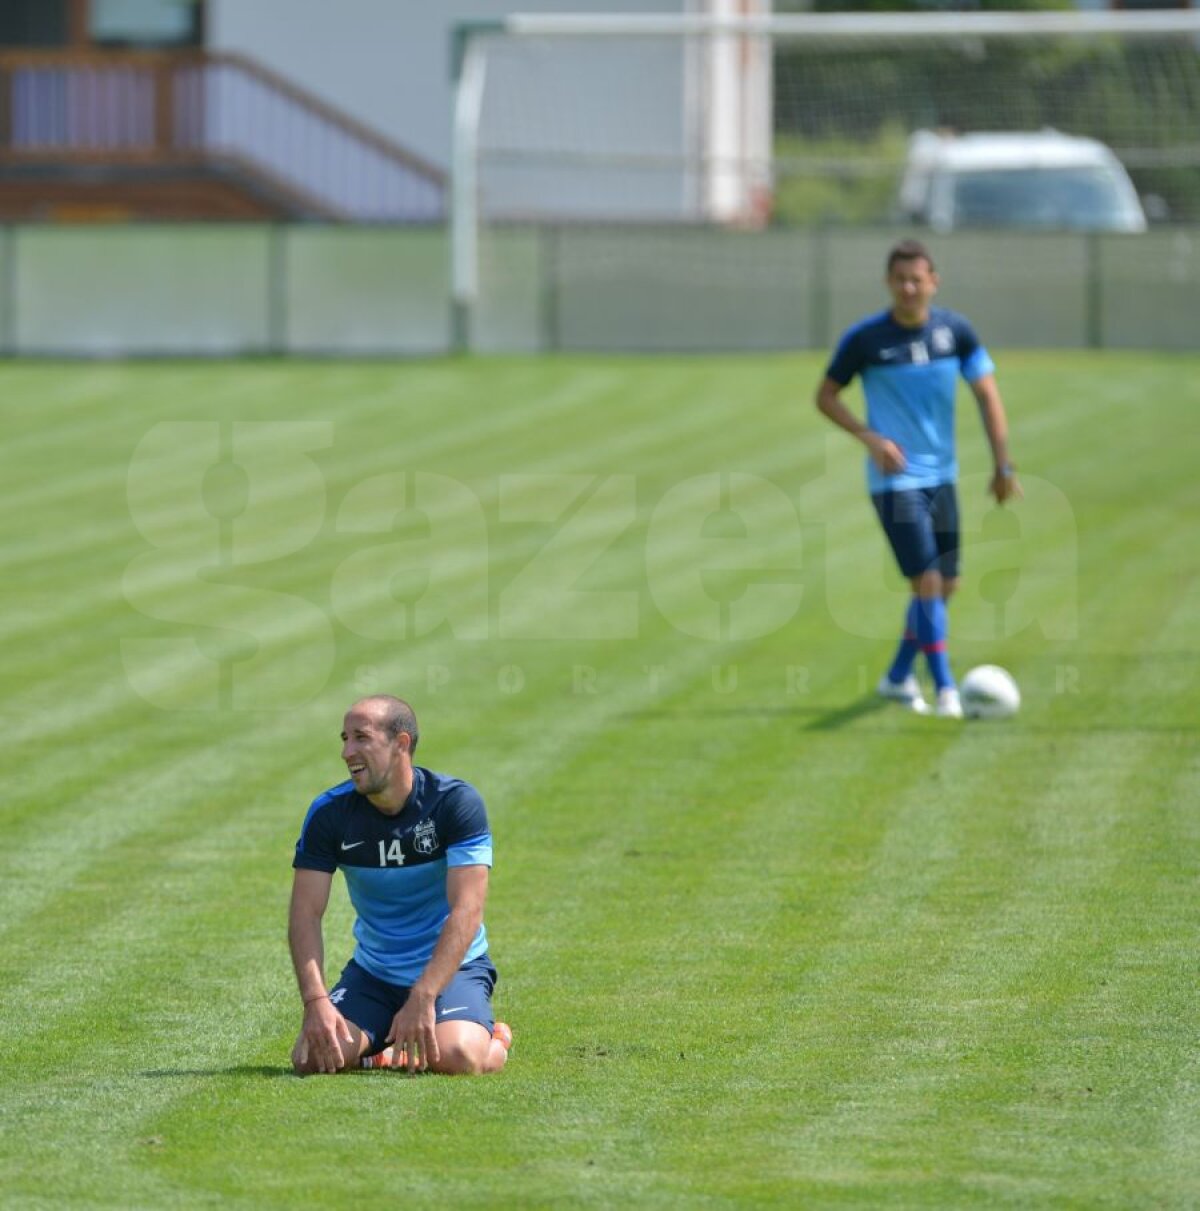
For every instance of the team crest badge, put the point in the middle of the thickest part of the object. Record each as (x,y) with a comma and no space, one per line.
(425,838)
(942,340)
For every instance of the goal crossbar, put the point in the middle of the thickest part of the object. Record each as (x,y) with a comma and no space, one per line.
(850,25)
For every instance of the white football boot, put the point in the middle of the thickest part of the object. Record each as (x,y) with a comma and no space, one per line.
(948,705)
(906,692)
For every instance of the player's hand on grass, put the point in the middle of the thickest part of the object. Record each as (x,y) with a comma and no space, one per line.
(321,1037)
(413,1032)
(886,455)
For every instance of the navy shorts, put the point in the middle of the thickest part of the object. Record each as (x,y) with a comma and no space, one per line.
(921,525)
(371,1003)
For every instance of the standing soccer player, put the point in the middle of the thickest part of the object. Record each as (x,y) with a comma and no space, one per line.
(415,849)
(909,359)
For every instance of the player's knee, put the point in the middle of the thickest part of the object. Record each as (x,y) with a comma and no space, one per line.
(461,1058)
(928,584)
(463,1049)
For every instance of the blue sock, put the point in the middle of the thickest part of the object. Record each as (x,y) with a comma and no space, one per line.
(931,635)
(906,653)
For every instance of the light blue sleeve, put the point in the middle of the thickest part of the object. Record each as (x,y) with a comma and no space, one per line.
(475,851)
(977,365)
(468,835)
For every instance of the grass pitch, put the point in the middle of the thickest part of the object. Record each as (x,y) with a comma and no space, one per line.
(762,941)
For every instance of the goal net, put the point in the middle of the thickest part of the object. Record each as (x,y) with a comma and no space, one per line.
(692,172)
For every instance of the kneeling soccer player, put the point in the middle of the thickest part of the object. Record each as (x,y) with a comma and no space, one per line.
(415,849)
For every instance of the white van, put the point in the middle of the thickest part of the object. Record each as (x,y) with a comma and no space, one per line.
(1037,181)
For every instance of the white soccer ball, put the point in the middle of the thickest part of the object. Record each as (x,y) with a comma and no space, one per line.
(989,692)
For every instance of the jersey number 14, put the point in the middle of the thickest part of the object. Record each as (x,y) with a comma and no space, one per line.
(390,853)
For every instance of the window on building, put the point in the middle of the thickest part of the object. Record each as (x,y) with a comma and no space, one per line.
(145,22)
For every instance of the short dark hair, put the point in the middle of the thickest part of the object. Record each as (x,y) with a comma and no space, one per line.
(398,717)
(909,250)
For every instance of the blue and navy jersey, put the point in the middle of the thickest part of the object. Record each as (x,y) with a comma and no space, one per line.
(910,376)
(395,866)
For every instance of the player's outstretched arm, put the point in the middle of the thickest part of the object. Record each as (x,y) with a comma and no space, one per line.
(1005,485)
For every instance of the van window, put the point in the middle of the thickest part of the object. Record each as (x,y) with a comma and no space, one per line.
(1083,197)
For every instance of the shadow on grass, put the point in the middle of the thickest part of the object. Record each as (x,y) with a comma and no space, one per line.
(828,721)
(262,1070)
(820,719)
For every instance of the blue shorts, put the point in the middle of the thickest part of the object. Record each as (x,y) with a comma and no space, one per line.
(921,525)
(371,1003)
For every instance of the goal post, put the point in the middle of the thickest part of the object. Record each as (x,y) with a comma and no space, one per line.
(574,134)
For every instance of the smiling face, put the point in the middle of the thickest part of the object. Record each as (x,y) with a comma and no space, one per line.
(912,284)
(380,764)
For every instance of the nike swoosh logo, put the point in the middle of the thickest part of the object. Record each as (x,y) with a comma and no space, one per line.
(456,1009)
(352,845)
